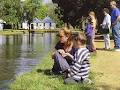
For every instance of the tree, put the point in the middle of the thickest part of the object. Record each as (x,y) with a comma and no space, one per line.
(31,7)
(54,13)
(50,10)
(15,11)
(73,10)
(10,11)
(42,12)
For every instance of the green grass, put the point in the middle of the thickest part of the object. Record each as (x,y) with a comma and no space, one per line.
(41,79)
(14,32)
(105,68)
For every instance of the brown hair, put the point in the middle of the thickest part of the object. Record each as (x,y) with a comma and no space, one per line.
(92,13)
(67,32)
(81,38)
(106,10)
(94,20)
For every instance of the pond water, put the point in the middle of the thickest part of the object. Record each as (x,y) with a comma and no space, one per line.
(21,53)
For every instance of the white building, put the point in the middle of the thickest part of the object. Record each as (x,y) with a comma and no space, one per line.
(25,25)
(37,24)
(2,24)
(49,23)
(46,23)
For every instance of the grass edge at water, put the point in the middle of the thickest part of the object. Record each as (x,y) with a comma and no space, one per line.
(40,79)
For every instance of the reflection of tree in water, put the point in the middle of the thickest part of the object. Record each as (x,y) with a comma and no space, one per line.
(19,54)
(31,41)
(47,41)
(13,46)
(10,53)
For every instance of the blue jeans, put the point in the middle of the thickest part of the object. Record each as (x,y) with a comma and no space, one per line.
(60,63)
(116,35)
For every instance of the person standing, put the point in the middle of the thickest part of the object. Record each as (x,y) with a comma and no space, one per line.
(106,28)
(90,31)
(115,18)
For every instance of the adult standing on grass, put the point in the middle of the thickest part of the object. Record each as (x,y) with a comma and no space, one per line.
(106,28)
(115,18)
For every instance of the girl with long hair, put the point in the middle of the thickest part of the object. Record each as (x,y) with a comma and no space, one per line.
(64,48)
(90,31)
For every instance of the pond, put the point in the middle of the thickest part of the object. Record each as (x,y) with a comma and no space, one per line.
(21,53)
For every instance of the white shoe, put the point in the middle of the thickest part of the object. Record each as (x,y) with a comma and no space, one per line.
(117,50)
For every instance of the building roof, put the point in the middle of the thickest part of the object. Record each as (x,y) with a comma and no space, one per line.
(48,20)
(36,20)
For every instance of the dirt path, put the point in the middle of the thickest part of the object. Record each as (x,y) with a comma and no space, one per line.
(106,66)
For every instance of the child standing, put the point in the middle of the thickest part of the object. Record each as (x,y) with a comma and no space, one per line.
(90,32)
(106,27)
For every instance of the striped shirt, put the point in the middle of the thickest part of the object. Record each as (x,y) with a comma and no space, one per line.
(81,66)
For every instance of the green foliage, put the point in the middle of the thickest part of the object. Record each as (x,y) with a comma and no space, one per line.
(71,11)
(17,11)
(52,9)
(42,12)
(10,10)
(31,7)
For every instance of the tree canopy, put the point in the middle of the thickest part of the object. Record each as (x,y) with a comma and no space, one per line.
(73,10)
(17,11)
(10,10)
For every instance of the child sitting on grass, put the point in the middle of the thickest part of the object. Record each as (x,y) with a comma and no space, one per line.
(78,72)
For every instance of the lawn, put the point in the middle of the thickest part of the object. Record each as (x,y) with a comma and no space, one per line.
(41,79)
(104,67)
(14,32)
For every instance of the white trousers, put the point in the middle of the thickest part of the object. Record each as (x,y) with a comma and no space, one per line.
(107,41)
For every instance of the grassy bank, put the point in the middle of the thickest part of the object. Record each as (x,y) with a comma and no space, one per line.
(104,67)
(14,32)
(41,79)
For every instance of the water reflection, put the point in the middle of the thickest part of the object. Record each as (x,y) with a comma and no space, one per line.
(19,54)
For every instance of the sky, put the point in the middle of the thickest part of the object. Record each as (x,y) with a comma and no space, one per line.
(47,1)
(44,1)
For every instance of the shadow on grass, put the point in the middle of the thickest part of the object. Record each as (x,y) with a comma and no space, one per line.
(46,71)
(60,77)
(103,49)
(49,72)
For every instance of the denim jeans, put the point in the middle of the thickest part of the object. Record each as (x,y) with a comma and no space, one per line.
(116,35)
(60,63)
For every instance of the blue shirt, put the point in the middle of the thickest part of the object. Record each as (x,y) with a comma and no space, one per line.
(115,13)
(89,30)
